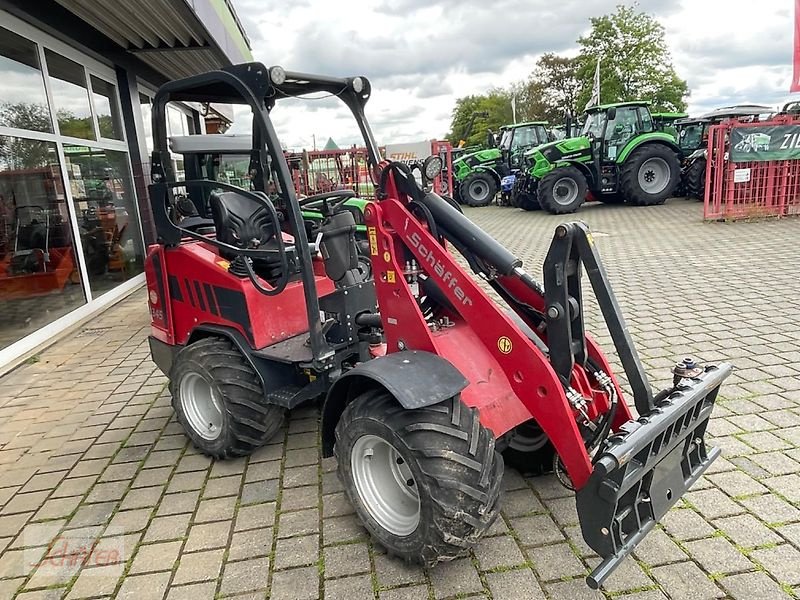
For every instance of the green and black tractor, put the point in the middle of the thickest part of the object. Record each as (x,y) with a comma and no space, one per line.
(693,142)
(477,176)
(621,156)
(667,122)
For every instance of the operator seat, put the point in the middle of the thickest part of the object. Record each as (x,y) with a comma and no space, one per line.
(244,223)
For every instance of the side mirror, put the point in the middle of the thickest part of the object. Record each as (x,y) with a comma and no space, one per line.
(491,142)
(611,113)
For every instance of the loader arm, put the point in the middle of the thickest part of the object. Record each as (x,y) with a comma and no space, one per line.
(627,473)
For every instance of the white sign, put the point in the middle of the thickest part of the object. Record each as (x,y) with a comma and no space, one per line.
(741,176)
(405,152)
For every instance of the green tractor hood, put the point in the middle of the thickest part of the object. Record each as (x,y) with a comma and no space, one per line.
(467,163)
(543,159)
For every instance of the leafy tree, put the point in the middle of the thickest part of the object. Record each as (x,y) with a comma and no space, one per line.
(496,102)
(22,153)
(634,61)
(552,89)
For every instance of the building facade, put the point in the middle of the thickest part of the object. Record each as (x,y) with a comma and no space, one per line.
(77,81)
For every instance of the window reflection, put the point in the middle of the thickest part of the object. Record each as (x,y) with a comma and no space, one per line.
(23,102)
(39,280)
(102,192)
(70,95)
(146,105)
(105,105)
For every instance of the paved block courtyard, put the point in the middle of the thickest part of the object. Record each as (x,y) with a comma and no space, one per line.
(102,496)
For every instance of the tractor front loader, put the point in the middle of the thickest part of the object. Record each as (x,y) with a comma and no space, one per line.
(430,386)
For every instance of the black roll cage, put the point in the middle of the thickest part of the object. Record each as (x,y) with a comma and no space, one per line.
(258,87)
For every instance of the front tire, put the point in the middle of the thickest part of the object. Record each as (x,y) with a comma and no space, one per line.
(529,451)
(478,189)
(696,179)
(562,191)
(219,401)
(650,175)
(425,482)
(527,201)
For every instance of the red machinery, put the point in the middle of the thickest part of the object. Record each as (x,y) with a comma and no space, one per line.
(429,383)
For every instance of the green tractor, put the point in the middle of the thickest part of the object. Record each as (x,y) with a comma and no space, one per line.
(477,176)
(620,157)
(667,122)
(693,142)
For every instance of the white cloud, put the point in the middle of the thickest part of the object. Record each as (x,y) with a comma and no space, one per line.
(423,54)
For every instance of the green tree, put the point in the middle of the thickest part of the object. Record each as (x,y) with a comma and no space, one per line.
(551,90)
(635,63)
(23,153)
(496,102)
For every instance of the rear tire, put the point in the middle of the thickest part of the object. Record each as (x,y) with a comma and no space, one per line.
(650,175)
(696,179)
(478,189)
(527,201)
(425,482)
(562,190)
(529,451)
(219,401)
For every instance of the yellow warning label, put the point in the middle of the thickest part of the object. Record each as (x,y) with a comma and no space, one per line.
(504,345)
(387,257)
(390,276)
(589,238)
(373,241)
(224,264)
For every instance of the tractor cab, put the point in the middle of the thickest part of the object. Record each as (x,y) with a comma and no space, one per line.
(667,121)
(692,134)
(515,139)
(613,126)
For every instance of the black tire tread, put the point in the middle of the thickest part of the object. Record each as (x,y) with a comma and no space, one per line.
(252,419)
(489,182)
(462,471)
(544,190)
(696,180)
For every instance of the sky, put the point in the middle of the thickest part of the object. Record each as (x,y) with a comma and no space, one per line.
(420,55)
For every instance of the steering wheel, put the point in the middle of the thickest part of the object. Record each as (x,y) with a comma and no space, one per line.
(336,197)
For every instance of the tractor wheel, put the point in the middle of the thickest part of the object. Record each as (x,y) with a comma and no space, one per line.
(478,189)
(425,482)
(529,451)
(650,175)
(219,401)
(696,179)
(562,191)
(527,201)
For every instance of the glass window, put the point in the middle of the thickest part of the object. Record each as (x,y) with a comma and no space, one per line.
(70,95)
(176,122)
(23,102)
(39,278)
(647,120)
(102,192)
(146,106)
(105,105)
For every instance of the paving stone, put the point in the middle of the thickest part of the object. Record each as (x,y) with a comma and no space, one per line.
(218,509)
(736,483)
(156,557)
(771,509)
(255,516)
(685,524)
(296,552)
(207,536)
(129,521)
(712,503)
(556,562)
(194,591)
(520,502)
(260,491)
(142,498)
(343,529)
(350,588)
(514,585)
(264,470)
(92,514)
(781,562)
(302,497)
(753,586)
(417,592)
(298,522)
(747,531)
(575,589)
(144,587)
(393,572)
(686,581)
(250,544)
(718,555)
(336,505)
(104,492)
(455,577)
(97,581)
(295,584)
(199,566)
(536,530)
(245,576)
(349,559)
(300,476)
(167,528)
(183,502)
(498,552)
(627,577)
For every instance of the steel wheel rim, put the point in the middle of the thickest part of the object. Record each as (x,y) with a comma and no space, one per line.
(654,175)
(565,191)
(478,191)
(201,406)
(382,478)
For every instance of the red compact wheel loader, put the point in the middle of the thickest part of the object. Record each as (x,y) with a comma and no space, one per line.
(429,384)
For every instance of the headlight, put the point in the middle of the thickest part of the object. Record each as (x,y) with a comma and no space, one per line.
(432,166)
(358,85)
(277,75)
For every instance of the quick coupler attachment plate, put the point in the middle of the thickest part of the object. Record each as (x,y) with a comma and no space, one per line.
(646,468)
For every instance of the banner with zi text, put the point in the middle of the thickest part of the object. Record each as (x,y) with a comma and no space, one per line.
(781,142)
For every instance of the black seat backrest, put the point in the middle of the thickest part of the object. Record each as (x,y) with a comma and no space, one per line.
(241,221)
